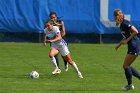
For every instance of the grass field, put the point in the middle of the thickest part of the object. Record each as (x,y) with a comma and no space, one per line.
(100,64)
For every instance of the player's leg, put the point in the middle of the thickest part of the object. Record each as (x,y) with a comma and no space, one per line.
(66,55)
(71,62)
(65,62)
(52,53)
(66,67)
(129,59)
(57,60)
(135,72)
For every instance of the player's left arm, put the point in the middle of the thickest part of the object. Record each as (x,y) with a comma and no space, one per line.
(44,39)
(119,45)
(63,32)
(134,32)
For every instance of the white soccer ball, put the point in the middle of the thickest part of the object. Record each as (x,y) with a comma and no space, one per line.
(34,75)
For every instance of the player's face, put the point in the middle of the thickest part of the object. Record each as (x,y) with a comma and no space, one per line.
(49,26)
(116,18)
(53,17)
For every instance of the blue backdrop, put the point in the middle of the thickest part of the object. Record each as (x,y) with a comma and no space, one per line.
(79,16)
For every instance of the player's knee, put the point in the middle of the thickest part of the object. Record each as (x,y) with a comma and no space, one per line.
(70,61)
(125,66)
(51,55)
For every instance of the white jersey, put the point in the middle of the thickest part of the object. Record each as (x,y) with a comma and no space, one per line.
(60,45)
(51,34)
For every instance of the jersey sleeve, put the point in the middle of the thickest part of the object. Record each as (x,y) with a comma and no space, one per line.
(128,25)
(56,29)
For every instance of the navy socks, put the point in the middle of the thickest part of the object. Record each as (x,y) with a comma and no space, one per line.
(57,60)
(128,74)
(135,72)
(65,62)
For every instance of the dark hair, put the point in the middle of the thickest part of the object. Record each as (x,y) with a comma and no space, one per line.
(53,13)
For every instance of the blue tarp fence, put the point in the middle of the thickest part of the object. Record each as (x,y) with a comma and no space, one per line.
(79,16)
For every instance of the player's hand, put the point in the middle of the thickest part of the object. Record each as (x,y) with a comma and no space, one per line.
(117,47)
(44,44)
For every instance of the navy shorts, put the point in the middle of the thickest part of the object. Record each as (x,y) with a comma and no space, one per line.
(134,47)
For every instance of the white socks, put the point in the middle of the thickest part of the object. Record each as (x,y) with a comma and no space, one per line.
(53,60)
(75,67)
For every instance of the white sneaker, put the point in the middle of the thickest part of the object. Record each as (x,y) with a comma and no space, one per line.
(59,71)
(66,67)
(79,74)
(56,71)
(128,87)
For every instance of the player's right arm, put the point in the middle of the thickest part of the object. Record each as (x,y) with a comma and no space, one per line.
(118,46)
(44,38)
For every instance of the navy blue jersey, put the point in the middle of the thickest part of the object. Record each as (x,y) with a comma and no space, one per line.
(126,29)
(134,43)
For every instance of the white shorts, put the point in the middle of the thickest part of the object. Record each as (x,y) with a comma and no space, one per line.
(62,48)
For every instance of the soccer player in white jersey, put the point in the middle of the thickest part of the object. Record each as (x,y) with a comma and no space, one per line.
(52,35)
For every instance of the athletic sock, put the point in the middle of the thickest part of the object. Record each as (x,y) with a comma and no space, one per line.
(57,60)
(75,67)
(53,61)
(135,72)
(128,74)
(65,62)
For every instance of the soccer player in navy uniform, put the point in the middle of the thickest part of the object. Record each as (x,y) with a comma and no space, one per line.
(129,32)
(60,24)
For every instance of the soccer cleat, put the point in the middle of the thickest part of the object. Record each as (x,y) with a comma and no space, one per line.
(128,87)
(79,74)
(56,71)
(66,68)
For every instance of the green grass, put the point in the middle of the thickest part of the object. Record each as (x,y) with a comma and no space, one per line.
(101,66)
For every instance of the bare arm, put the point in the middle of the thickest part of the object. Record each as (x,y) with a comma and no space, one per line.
(63,32)
(134,32)
(61,24)
(119,45)
(124,40)
(44,41)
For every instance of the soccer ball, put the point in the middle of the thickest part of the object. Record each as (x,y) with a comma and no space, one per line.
(34,75)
